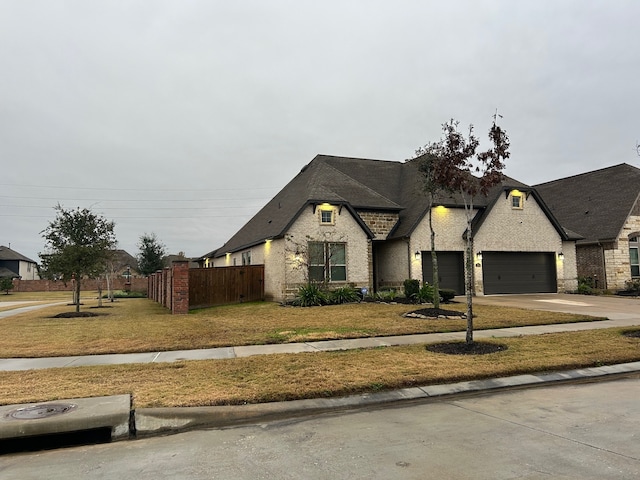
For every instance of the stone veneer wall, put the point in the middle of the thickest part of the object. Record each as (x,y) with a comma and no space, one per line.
(380,223)
(617,264)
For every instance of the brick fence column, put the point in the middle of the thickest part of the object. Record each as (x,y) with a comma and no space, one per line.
(166,287)
(180,293)
(159,286)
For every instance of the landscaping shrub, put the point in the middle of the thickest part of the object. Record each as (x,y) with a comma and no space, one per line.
(632,287)
(310,296)
(585,286)
(343,295)
(411,288)
(386,295)
(446,295)
(425,294)
(124,294)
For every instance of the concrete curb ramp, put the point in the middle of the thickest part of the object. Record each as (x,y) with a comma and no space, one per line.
(29,422)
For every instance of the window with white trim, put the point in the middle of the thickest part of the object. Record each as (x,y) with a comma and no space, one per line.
(327,216)
(516,201)
(246,258)
(327,262)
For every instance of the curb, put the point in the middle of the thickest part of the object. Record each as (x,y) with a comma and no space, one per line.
(89,418)
(162,421)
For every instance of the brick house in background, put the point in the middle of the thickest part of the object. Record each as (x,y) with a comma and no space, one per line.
(364,223)
(16,265)
(603,206)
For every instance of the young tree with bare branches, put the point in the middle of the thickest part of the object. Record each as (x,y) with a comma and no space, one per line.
(455,165)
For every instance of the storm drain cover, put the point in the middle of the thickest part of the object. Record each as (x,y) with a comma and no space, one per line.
(41,411)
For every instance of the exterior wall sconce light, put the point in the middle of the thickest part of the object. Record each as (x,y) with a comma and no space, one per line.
(479,255)
(561,256)
(417,254)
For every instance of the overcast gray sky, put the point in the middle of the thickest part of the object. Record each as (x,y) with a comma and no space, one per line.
(184,117)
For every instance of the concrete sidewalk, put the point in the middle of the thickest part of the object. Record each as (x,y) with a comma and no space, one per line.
(28,308)
(13,364)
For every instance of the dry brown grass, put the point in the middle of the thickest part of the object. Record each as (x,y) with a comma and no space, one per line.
(140,325)
(312,375)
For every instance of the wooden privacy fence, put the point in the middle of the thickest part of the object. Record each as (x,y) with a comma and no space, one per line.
(225,285)
(181,289)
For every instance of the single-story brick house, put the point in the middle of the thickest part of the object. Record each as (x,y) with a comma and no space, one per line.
(16,265)
(364,223)
(603,206)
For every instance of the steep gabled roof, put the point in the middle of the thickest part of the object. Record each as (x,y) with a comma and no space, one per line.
(357,184)
(7,254)
(594,204)
(324,179)
(121,259)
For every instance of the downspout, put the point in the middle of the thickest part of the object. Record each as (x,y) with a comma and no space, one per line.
(409,257)
(604,268)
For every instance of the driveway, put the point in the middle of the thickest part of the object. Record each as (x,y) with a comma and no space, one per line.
(614,308)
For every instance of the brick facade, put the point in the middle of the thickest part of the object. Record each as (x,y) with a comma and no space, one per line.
(590,263)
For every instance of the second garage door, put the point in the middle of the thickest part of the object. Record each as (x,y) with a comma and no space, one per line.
(519,272)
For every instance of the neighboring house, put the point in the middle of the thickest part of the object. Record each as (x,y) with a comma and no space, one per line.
(603,206)
(122,263)
(21,266)
(365,223)
(179,257)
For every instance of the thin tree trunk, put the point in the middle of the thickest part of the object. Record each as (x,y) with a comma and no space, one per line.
(468,271)
(99,294)
(434,261)
(469,286)
(77,295)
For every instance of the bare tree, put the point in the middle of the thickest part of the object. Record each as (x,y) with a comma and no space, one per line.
(457,167)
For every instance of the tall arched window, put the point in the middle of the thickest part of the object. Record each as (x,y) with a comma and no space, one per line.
(633,256)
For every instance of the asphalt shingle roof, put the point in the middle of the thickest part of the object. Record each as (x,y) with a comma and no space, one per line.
(7,254)
(357,184)
(6,273)
(594,204)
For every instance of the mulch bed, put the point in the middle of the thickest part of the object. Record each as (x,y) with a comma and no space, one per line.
(75,315)
(434,313)
(632,333)
(463,348)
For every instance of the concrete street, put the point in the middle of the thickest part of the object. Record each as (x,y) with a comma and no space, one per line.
(582,431)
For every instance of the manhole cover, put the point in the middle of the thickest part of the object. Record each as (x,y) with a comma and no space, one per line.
(41,411)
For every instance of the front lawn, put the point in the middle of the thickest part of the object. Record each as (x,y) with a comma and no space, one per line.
(140,325)
(266,378)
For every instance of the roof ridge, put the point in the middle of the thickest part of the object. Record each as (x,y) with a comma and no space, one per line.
(324,155)
(591,172)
